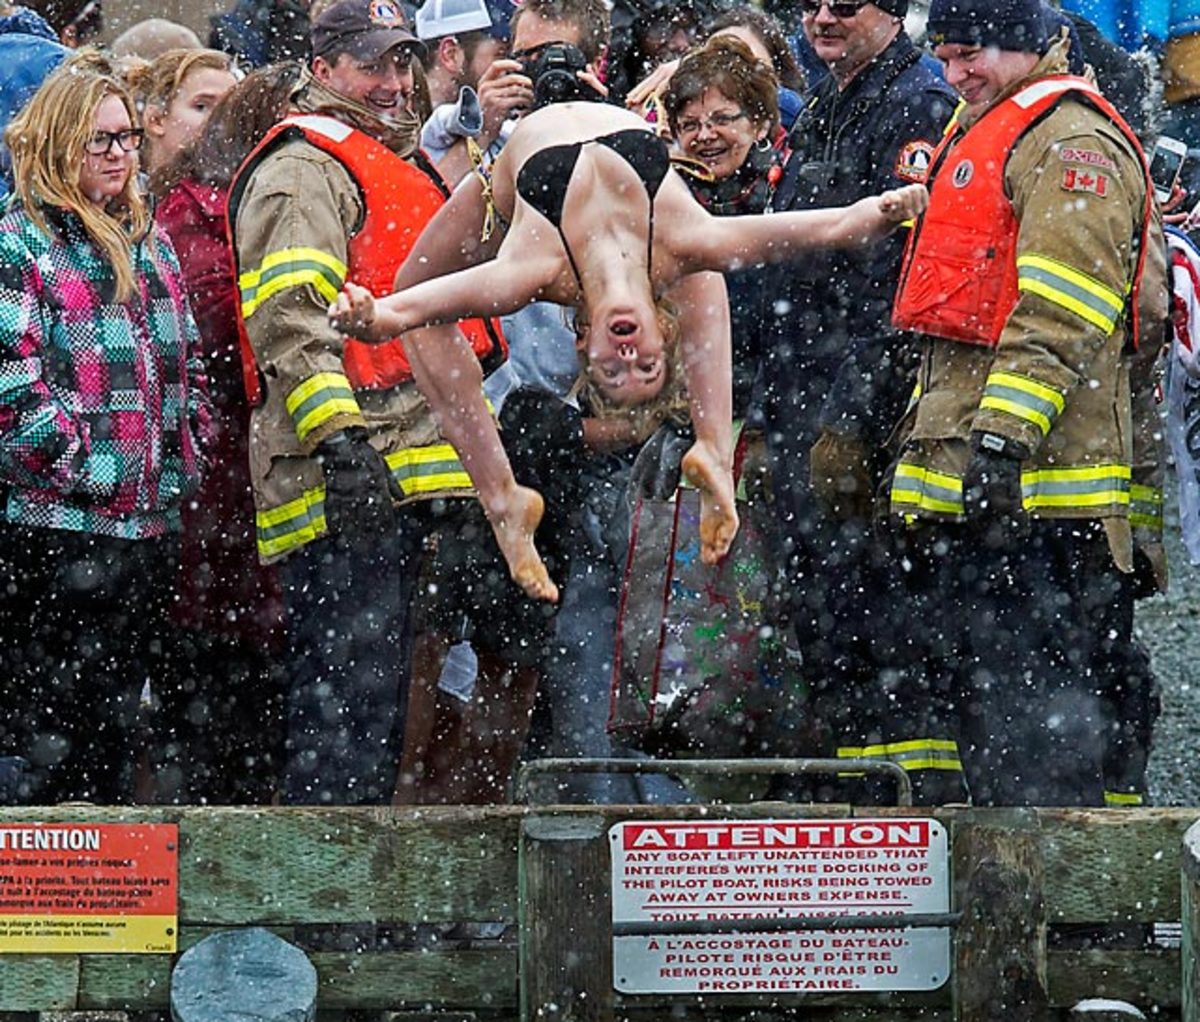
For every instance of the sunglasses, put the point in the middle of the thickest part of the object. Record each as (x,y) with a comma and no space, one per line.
(128,140)
(839,8)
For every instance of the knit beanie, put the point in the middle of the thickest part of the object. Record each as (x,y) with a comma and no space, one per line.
(899,8)
(1006,24)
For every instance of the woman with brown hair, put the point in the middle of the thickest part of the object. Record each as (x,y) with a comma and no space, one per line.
(176,93)
(103,416)
(722,110)
(228,604)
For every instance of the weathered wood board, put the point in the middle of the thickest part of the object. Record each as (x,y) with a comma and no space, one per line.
(299,867)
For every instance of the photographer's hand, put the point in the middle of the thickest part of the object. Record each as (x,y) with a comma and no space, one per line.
(504,89)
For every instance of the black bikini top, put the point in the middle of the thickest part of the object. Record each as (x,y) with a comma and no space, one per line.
(544,178)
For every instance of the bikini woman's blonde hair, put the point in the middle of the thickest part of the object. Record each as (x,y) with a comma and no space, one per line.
(47,141)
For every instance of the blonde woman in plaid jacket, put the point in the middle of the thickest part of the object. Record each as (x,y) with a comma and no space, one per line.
(104,413)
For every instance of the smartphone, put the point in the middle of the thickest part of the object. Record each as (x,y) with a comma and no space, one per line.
(1166,162)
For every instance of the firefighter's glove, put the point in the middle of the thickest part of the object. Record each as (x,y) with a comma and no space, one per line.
(992,490)
(360,493)
(840,475)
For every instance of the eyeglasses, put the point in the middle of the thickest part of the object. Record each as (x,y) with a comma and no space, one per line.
(843,9)
(721,119)
(128,140)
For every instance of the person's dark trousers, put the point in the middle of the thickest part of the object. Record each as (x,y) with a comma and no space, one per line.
(571,714)
(917,659)
(348,601)
(833,577)
(1129,698)
(226,746)
(1016,630)
(85,624)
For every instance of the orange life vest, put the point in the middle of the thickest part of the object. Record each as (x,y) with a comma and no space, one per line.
(958,279)
(400,196)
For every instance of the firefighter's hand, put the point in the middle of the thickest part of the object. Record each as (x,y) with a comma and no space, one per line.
(840,475)
(992,490)
(360,492)
(353,313)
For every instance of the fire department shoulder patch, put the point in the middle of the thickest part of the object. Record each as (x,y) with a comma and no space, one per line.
(912,164)
(1079,180)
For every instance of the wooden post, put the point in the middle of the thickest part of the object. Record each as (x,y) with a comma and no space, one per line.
(566,919)
(1000,945)
(1191,923)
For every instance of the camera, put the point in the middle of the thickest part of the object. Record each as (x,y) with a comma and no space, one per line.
(553,72)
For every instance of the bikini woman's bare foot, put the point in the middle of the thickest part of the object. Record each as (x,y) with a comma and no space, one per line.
(718,510)
(514,521)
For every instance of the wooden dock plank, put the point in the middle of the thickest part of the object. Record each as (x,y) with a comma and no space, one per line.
(279,866)
(479,978)
(44,982)
(1144,978)
(1113,865)
(294,866)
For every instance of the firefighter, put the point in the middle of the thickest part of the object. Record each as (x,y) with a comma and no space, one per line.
(1024,276)
(341,436)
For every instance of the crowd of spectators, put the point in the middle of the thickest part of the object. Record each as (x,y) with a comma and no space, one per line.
(270,535)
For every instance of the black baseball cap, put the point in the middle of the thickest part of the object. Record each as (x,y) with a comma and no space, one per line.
(365,29)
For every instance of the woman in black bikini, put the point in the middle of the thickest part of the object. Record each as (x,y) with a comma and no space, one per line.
(598,220)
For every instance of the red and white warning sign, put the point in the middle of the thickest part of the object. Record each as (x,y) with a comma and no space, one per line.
(672,872)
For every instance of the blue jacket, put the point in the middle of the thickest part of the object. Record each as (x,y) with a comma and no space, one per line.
(29,51)
(1135,23)
(261,32)
(1184,18)
(828,341)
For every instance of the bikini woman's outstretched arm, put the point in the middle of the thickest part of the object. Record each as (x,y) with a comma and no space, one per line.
(495,288)
(429,286)
(734,242)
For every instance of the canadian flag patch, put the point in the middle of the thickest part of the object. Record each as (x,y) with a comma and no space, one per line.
(1079,180)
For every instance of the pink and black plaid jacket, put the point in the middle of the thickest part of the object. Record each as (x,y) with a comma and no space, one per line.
(104,408)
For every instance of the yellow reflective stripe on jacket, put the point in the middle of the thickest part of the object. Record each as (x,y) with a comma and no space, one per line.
(1067,287)
(291,267)
(428,469)
(1146,507)
(292,525)
(1023,398)
(417,470)
(914,754)
(1089,486)
(318,399)
(916,488)
(1123,799)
